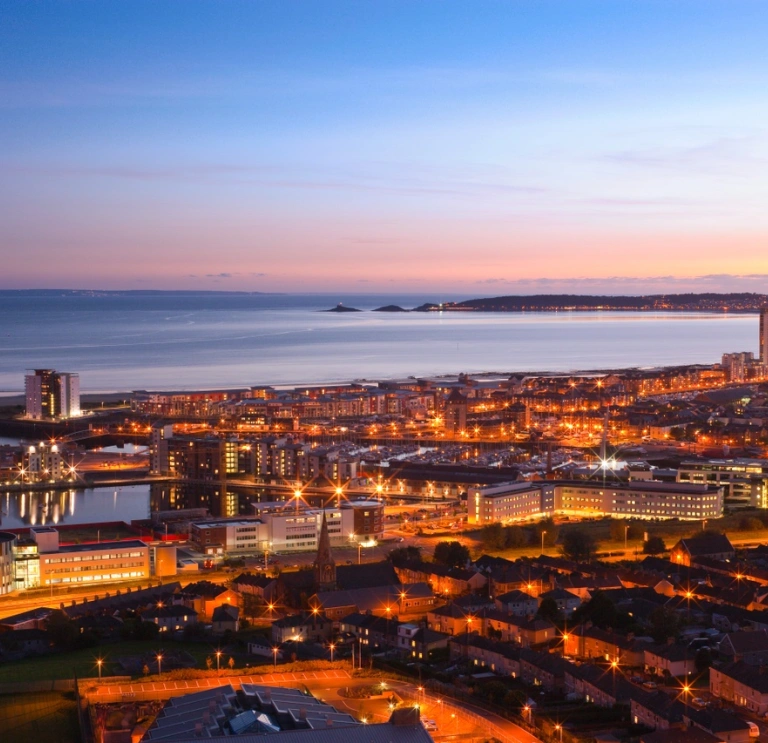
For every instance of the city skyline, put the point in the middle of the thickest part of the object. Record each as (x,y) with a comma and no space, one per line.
(483,149)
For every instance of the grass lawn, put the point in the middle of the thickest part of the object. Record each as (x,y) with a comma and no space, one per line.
(83,662)
(670,531)
(49,717)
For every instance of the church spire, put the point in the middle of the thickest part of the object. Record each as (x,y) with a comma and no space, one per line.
(325,567)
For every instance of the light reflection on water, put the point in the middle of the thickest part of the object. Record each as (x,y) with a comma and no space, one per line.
(126,503)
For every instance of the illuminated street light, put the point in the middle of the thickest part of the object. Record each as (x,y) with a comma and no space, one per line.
(218,660)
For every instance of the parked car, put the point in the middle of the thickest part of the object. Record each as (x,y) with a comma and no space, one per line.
(431,725)
(754,731)
(650,685)
(636,679)
(699,702)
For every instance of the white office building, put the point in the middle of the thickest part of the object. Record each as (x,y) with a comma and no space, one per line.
(514,501)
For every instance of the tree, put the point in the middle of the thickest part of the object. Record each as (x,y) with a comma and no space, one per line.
(750,523)
(209,662)
(493,537)
(61,630)
(654,546)
(618,527)
(599,610)
(703,660)
(516,536)
(145,630)
(578,545)
(548,610)
(665,623)
(401,555)
(231,663)
(453,554)
(549,526)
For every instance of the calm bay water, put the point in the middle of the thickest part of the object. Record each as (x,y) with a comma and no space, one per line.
(126,503)
(184,341)
(55,508)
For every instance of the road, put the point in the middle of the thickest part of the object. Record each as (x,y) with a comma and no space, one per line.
(454,720)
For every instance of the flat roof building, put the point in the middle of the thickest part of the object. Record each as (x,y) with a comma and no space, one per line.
(636,499)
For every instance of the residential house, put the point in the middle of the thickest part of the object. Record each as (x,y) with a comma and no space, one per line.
(32,619)
(391,600)
(451,619)
(204,597)
(670,659)
(517,602)
(587,641)
(707,544)
(263,587)
(264,648)
(724,724)
(524,631)
(225,618)
(370,630)
(170,618)
(688,735)
(444,581)
(307,626)
(751,647)
(534,631)
(603,687)
(741,683)
(566,601)
(419,642)
(485,654)
(656,710)
(585,586)
(23,643)
(542,669)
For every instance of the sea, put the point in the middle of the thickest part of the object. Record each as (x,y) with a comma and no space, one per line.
(163,341)
(119,342)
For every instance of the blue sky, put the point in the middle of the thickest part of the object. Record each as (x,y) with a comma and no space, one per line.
(601,146)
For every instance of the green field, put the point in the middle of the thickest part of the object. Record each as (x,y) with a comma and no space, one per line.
(83,662)
(47,717)
(670,531)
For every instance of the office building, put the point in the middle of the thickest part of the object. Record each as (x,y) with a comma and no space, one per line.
(636,499)
(279,527)
(6,562)
(744,481)
(88,563)
(51,394)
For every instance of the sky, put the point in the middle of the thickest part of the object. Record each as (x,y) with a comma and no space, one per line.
(480,147)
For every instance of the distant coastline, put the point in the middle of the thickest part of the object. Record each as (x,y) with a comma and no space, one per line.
(687,302)
(705,302)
